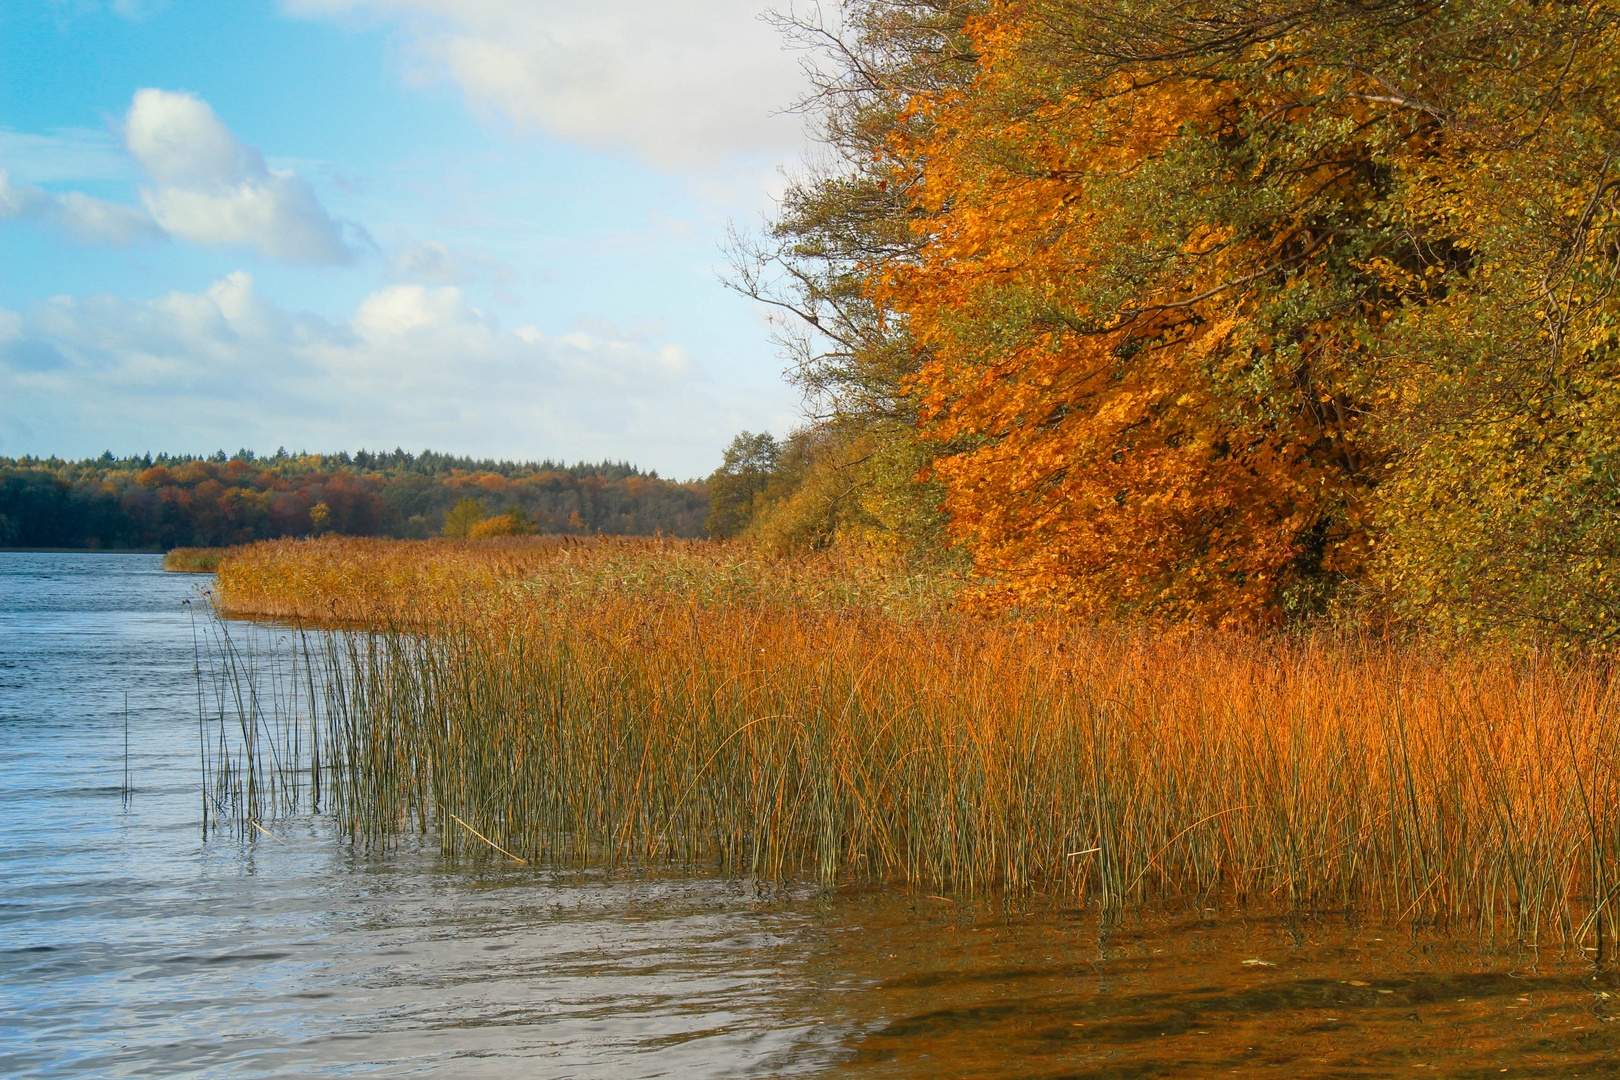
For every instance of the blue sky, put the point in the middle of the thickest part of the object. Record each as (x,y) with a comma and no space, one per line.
(485,226)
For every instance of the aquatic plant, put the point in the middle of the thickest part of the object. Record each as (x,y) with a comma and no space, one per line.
(421,583)
(623,708)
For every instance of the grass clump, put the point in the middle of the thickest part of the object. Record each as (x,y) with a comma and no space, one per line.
(625,702)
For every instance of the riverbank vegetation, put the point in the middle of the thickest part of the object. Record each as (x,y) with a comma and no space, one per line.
(420,584)
(169,502)
(612,702)
(193,560)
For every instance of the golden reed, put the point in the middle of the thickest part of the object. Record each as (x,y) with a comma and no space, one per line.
(193,560)
(657,700)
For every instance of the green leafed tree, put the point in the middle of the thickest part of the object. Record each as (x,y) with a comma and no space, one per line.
(463,516)
(737,487)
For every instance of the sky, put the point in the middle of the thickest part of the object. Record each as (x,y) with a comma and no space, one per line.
(485,227)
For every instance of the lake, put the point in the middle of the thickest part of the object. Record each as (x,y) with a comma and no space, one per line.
(130,945)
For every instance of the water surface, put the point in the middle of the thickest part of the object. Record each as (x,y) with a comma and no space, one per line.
(132,946)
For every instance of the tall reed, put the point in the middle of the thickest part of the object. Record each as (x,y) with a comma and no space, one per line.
(355,581)
(800,733)
(193,560)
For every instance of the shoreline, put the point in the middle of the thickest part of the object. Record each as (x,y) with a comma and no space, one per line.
(80,551)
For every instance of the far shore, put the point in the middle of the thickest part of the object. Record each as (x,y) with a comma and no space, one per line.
(81,551)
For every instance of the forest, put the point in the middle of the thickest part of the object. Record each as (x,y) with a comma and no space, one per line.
(1240,314)
(167,502)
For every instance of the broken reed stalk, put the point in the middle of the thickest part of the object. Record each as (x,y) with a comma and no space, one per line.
(786,736)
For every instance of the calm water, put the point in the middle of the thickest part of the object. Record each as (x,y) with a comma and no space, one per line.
(129,946)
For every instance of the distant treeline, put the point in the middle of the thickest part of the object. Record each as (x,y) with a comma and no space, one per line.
(181,501)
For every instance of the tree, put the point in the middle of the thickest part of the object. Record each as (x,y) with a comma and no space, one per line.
(1499,514)
(735,487)
(515,522)
(1211,303)
(860,456)
(462,517)
(1143,296)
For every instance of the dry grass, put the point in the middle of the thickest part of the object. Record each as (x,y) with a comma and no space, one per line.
(353,580)
(623,706)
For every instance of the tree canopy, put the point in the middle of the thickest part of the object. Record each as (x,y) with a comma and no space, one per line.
(1231,312)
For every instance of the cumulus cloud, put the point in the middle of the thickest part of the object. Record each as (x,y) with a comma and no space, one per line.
(202,184)
(93,221)
(208,187)
(413,364)
(682,85)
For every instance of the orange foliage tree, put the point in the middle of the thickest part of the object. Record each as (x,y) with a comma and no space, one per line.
(1160,248)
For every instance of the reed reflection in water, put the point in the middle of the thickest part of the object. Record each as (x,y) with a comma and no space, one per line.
(947,991)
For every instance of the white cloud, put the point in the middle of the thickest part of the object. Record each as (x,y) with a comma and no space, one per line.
(430,263)
(682,85)
(203,185)
(413,365)
(404,310)
(210,188)
(93,221)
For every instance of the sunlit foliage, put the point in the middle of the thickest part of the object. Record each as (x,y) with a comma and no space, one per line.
(852,472)
(1236,314)
(461,518)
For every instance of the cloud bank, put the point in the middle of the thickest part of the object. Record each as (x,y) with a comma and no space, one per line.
(413,364)
(683,86)
(201,184)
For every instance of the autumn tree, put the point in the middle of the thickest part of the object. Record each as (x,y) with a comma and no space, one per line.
(463,517)
(1503,368)
(515,522)
(168,501)
(1178,267)
(855,466)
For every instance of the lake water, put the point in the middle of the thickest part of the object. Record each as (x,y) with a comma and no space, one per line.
(130,946)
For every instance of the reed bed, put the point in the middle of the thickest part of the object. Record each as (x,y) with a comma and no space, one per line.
(418,583)
(797,734)
(194,560)
(354,580)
